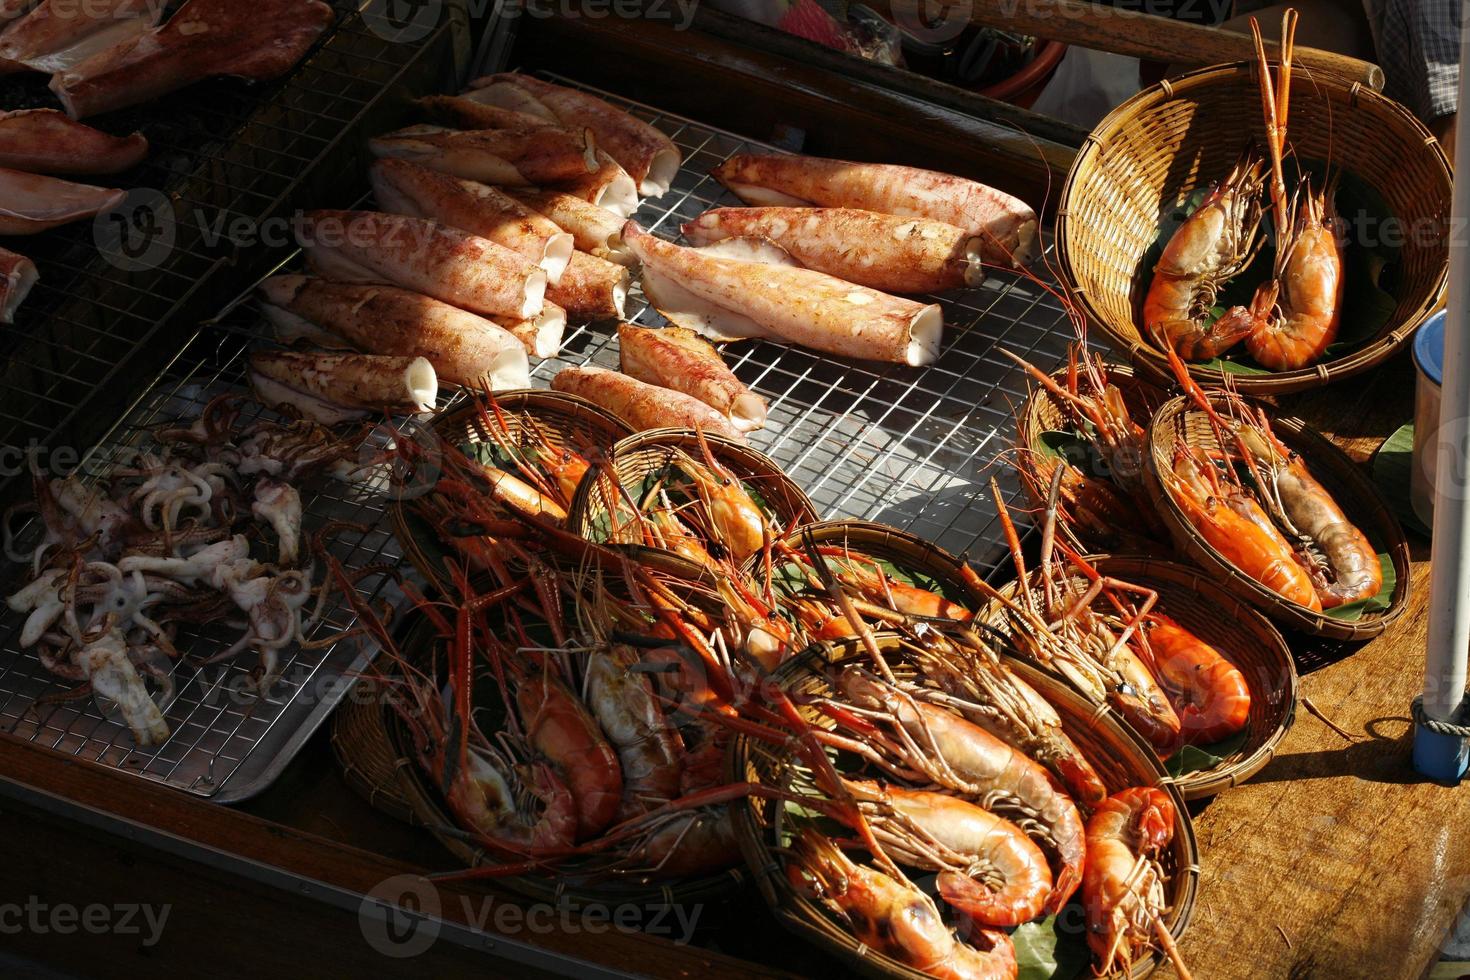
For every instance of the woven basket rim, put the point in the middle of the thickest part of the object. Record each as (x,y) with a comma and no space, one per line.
(1364,506)
(1183,87)
(1203,783)
(801,915)
(424,799)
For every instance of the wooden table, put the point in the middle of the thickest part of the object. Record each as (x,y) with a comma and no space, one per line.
(1335,861)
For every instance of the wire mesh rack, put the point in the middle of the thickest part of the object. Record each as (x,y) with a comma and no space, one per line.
(912,447)
(116,296)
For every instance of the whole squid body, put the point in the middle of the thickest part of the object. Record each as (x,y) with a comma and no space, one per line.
(763,293)
(17,276)
(591,288)
(647,154)
(421,192)
(332,388)
(446,263)
(464,348)
(881,251)
(1005,225)
(505,157)
(45,141)
(31,203)
(594,230)
(607,186)
(644,406)
(676,358)
(205,38)
(55,35)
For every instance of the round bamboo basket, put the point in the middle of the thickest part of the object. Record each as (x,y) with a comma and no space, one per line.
(1036,462)
(370,762)
(1121,759)
(1179,421)
(1242,636)
(567,422)
(564,885)
(902,549)
(650,454)
(1149,154)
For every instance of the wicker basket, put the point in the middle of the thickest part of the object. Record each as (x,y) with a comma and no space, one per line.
(902,549)
(567,421)
(1180,421)
(650,454)
(1154,150)
(427,805)
(1120,758)
(371,763)
(1036,463)
(1242,636)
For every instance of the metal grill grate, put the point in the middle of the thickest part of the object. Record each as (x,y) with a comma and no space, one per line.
(909,447)
(225,156)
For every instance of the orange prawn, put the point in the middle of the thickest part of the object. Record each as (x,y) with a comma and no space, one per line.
(1210,693)
(1211,247)
(1123,888)
(1297,311)
(891,915)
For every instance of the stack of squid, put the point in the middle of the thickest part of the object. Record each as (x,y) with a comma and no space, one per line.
(105,55)
(499,223)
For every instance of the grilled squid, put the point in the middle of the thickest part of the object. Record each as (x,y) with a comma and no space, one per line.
(446,263)
(1005,225)
(881,251)
(17,276)
(644,406)
(464,349)
(48,142)
(511,157)
(409,188)
(682,360)
(331,388)
(763,293)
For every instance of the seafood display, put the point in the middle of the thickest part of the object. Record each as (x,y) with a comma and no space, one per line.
(169,542)
(464,349)
(1005,226)
(1295,313)
(17,276)
(617,652)
(644,405)
(45,141)
(202,39)
(683,361)
(762,293)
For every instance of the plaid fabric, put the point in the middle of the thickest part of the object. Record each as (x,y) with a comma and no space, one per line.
(1418,43)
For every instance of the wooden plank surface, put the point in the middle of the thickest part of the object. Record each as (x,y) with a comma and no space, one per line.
(338,859)
(1336,861)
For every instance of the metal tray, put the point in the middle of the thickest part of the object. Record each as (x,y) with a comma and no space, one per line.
(912,447)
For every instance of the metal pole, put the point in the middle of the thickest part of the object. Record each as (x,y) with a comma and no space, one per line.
(1436,755)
